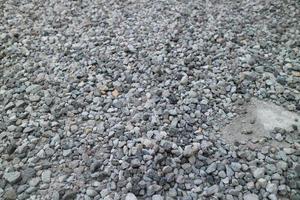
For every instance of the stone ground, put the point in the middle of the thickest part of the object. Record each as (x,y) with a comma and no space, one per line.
(149,99)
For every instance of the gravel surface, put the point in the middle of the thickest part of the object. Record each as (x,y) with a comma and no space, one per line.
(125,99)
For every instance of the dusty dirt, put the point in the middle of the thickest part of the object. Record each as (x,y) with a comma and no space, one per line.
(258,120)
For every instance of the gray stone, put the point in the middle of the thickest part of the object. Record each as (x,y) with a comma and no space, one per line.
(250,197)
(135,163)
(9,106)
(10,194)
(12,177)
(153,189)
(192,149)
(67,152)
(74,128)
(91,192)
(211,168)
(20,103)
(55,195)
(34,181)
(289,151)
(272,197)
(236,166)
(157,197)
(34,98)
(271,188)
(282,165)
(11,148)
(69,195)
(229,171)
(46,176)
(222,174)
(261,183)
(211,190)
(297,169)
(28,130)
(282,189)
(22,188)
(130,196)
(258,172)
(180,179)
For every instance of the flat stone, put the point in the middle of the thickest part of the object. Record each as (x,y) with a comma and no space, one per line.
(12,177)
(9,106)
(211,190)
(289,151)
(20,103)
(28,130)
(22,188)
(34,98)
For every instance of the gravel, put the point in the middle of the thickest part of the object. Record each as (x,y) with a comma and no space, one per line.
(127,99)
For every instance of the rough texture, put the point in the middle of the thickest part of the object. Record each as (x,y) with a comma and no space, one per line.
(127,99)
